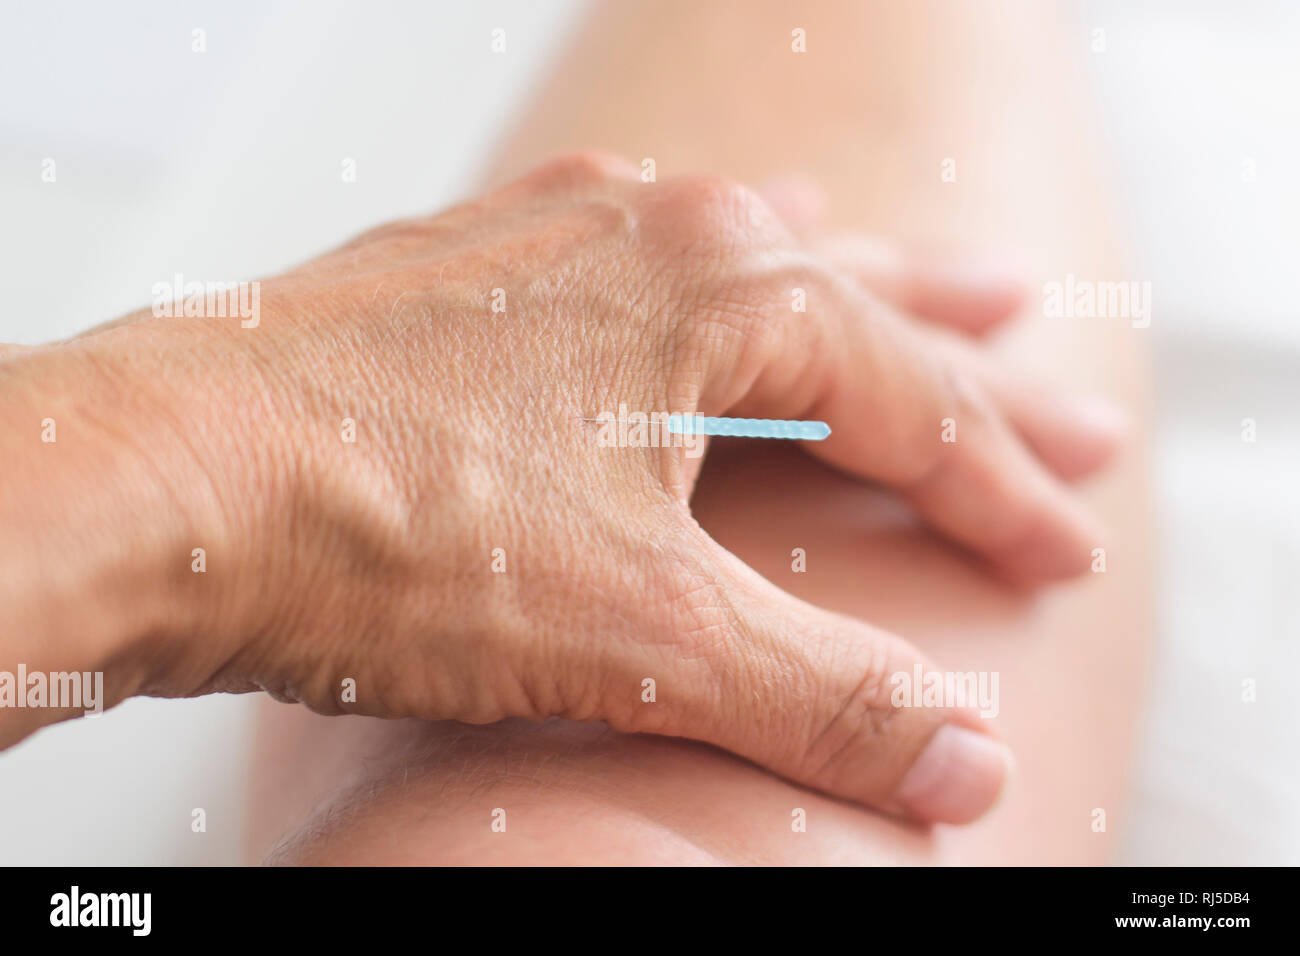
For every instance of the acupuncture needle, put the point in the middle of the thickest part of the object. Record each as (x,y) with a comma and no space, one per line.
(735,427)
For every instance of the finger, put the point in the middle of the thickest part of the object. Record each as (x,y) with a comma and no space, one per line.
(902,414)
(825,701)
(969,293)
(1073,435)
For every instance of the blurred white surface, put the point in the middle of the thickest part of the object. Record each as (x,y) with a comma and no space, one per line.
(1204,126)
(227,165)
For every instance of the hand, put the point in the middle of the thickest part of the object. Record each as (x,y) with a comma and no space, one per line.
(402,514)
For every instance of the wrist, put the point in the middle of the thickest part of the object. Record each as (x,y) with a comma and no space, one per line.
(102,514)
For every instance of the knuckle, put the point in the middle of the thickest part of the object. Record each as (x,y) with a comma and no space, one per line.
(959,408)
(709,213)
(933,416)
(967,400)
(714,194)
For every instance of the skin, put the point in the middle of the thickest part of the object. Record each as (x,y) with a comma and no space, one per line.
(370,561)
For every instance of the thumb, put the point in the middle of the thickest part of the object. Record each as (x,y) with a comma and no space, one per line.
(819,698)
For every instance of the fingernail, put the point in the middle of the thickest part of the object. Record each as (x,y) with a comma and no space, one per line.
(957,778)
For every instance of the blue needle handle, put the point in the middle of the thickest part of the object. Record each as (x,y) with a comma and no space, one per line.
(747,427)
